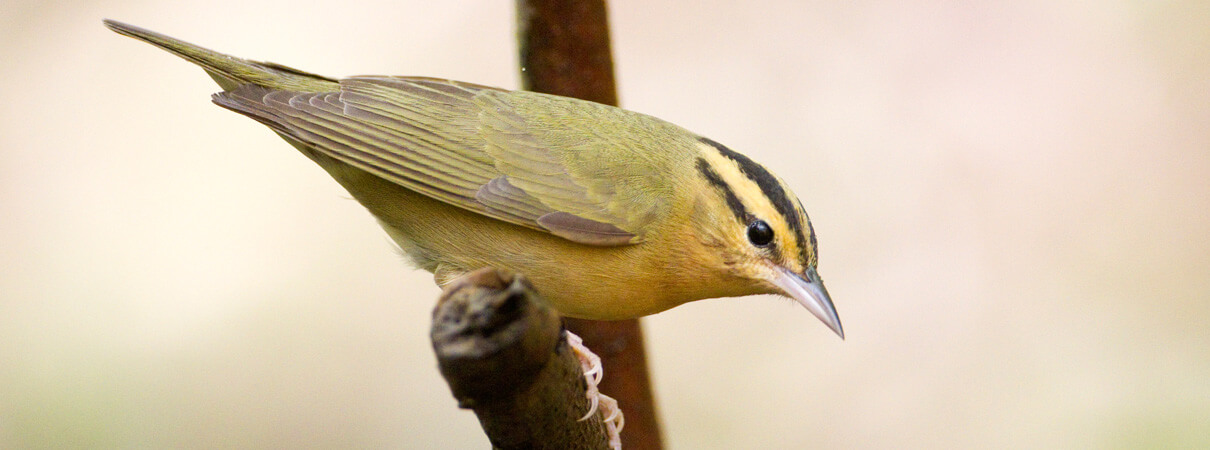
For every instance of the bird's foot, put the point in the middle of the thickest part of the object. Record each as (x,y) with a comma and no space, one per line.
(590,363)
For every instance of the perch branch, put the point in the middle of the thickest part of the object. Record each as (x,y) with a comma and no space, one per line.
(503,353)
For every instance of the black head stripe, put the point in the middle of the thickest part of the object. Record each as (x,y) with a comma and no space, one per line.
(814,245)
(811,236)
(770,187)
(733,202)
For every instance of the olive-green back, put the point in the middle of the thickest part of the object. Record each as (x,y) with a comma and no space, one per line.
(587,172)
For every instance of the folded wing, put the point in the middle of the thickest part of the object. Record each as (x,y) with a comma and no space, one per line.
(537,161)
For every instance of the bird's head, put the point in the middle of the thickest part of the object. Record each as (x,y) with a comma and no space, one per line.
(759,231)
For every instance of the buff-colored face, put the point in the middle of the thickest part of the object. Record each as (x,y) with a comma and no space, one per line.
(767,236)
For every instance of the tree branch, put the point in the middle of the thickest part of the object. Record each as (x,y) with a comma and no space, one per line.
(503,354)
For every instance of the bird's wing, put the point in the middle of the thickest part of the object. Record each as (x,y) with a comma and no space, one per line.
(543,162)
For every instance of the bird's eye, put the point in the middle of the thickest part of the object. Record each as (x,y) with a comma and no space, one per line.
(759,233)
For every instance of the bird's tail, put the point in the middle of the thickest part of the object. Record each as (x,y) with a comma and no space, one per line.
(230,72)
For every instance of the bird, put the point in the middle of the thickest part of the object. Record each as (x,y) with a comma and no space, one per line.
(611,214)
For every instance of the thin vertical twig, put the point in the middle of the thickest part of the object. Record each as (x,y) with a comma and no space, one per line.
(565,50)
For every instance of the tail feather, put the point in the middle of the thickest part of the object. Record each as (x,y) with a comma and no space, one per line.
(230,72)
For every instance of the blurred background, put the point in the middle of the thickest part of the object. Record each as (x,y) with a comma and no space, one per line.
(1011,200)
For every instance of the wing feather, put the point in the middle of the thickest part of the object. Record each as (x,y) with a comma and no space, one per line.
(523,158)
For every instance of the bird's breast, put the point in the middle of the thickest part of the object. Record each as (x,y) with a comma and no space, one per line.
(591,282)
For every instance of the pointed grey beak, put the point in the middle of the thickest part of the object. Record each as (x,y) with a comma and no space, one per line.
(808,290)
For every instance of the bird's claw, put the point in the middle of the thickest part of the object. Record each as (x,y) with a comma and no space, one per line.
(590,363)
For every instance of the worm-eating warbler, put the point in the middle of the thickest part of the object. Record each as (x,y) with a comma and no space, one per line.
(611,214)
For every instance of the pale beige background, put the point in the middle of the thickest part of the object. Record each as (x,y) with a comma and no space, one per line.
(1011,198)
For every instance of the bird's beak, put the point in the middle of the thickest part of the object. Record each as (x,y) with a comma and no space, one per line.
(808,290)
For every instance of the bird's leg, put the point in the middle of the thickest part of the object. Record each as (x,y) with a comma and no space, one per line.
(590,363)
